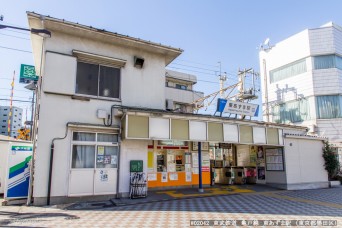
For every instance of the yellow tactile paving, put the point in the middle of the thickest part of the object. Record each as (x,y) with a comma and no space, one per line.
(208,192)
(296,199)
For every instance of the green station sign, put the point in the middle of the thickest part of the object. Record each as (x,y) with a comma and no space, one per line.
(27,74)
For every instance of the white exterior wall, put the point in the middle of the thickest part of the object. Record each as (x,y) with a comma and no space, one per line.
(327,81)
(182,96)
(330,128)
(131,150)
(304,163)
(139,87)
(321,41)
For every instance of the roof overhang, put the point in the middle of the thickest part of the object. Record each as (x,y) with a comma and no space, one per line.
(55,25)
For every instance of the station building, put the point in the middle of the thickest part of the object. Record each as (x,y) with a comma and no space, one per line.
(105,101)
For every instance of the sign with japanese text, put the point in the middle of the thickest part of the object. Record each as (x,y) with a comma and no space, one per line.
(241,108)
(27,74)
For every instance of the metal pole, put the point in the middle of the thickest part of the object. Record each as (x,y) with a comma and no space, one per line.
(266,91)
(200,187)
(32,113)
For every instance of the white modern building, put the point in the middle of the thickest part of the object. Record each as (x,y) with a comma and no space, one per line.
(15,120)
(303,83)
(105,109)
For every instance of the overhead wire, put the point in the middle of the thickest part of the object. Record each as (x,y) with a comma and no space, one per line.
(14,49)
(14,36)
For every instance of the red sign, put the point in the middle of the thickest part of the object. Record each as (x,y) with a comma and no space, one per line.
(205,169)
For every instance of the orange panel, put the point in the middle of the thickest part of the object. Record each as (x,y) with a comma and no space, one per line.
(181,180)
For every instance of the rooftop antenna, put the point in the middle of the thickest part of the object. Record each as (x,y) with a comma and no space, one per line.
(266,45)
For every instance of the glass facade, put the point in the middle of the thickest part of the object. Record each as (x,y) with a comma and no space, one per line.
(327,61)
(328,107)
(292,111)
(287,71)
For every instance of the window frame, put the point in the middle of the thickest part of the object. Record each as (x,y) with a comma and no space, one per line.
(95,143)
(98,81)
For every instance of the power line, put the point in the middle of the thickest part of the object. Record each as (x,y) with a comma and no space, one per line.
(12,30)
(204,64)
(14,36)
(16,49)
(15,100)
(27,91)
(195,67)
(16,96)
(207,81)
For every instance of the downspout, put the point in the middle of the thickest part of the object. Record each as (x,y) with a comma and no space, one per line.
(51,162)
(119,153)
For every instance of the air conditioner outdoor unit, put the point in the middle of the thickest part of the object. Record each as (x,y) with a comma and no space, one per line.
(169,104)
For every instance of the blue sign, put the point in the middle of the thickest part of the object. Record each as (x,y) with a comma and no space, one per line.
(221,104)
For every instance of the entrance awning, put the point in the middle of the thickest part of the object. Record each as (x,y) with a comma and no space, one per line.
(151,127)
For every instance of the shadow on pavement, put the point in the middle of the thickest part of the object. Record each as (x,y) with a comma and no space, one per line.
(14,217)
(271,203)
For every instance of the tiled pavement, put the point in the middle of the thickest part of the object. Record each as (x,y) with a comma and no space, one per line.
(322,204)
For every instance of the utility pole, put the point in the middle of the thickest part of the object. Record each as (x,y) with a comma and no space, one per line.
(266,91)
(243,93)
(9,126)
(223,78)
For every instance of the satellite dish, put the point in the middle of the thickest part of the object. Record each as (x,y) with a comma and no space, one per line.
(267,42)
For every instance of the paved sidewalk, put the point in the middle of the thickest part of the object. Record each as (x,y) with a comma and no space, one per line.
(176,194)
(267,207)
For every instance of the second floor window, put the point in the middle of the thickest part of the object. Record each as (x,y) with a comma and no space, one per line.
(97,80)
(178,86)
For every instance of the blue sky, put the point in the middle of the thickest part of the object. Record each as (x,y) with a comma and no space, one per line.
(209,32)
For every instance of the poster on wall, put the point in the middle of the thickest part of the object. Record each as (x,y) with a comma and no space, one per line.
(113,159)
(107,159)
(100,150)
(205,162)
(173,176)
(243,157)
(187,167)
(100,159)
(260,153)
(261,173)
(152,177)
(150,161)
(104,175)
(171,162)
(195,170)
(187,158)
(204,146)
(164,177)
(194,160)
(188,177)
(253,156)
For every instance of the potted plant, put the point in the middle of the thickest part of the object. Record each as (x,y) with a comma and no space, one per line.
(331,164)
